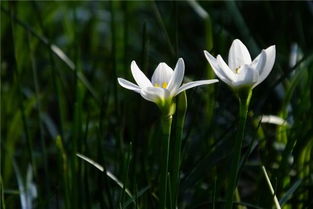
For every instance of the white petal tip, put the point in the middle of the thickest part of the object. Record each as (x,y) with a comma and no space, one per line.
(181,60)
(237,41)
(209,56)
(120,80)
(273,47)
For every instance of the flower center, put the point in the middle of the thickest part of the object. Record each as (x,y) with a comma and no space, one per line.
(164,85)
(237,70)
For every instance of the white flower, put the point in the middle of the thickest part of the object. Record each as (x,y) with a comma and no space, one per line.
(241,71)
(164,85)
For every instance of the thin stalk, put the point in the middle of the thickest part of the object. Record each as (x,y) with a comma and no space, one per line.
(2,204)
(244,100)
(38,104)
(18,79)
(177,143)
(64,163)
(166,123)
(237,195)
(114,50)
(271,188)
(163,27)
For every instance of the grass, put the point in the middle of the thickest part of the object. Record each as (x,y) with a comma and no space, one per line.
(60,100)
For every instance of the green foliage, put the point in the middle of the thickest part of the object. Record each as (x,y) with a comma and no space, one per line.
(60,97)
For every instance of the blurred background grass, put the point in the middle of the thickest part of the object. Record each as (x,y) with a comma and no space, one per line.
(59,96)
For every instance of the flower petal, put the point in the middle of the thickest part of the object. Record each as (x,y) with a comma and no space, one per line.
(269,63)
(247,76)
(238,55)
(230,75)
(192,84)
(128,85)
(154,94)
(139,77)
(216,68)
(162,73)
(177,77)
(259,62)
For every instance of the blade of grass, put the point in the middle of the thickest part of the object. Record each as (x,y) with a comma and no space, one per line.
(65,171)
(209,160)
(21,188)
(282,135)
(125,33)
(144,48)
(14,133)
(55,50)
(108,173)
(17,80)
(214,195)
(38,103)
(199,10)
(241,25)
(125,173)
(90,161)
(162,25)
(304,62)
(2,203)
(200,206)
(290,192)
(114,49)
(139,194)
(271,188)
(103,179)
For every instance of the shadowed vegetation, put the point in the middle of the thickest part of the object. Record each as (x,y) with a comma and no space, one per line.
(60,97)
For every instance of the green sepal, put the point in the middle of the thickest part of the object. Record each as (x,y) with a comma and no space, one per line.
(167,107)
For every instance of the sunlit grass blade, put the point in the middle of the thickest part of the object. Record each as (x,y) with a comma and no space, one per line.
(90,161)
(108,173)
(271,188)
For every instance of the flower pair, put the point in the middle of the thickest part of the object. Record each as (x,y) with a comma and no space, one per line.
(241,72)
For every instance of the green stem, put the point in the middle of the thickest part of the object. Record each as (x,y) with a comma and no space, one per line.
(2,204)
(176,143)
(166,129)
(244,100)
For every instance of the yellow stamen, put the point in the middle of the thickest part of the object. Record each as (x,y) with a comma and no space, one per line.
(164,85)
(237,70)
